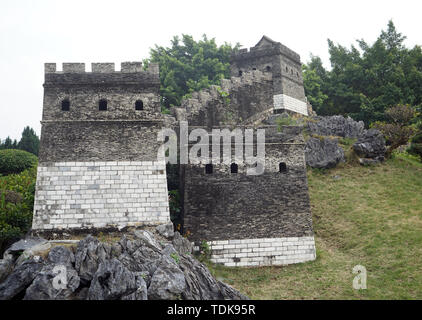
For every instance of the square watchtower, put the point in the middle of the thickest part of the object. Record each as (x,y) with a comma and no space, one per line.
(286,69)
(99,163)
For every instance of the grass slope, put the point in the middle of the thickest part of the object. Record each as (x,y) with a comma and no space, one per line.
(371,216)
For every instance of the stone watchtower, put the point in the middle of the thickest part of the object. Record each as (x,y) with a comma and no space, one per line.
(285,67)
(99,162)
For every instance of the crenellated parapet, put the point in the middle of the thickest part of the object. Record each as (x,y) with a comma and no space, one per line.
(101,67)
(102,74)
(275,49)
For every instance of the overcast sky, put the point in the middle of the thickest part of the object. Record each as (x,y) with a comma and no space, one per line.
(34,32)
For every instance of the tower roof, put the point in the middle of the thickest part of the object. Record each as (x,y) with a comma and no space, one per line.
(265,41)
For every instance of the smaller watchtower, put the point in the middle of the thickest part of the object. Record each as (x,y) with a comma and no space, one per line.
(286,69)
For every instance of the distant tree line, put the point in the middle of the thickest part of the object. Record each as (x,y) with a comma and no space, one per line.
(29,142)
(367,80)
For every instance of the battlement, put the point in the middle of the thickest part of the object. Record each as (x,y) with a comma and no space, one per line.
(102,67)
(102,74)
(267,50)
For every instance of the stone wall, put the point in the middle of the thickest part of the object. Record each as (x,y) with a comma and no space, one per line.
(225,206)
(99,140)
(248,95)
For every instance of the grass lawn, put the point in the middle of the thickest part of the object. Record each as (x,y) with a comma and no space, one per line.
(371,216)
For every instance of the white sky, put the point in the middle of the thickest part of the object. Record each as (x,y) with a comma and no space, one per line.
(34,32)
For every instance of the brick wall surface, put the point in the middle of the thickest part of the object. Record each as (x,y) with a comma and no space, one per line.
(100,194)
(282,101)
(263,251)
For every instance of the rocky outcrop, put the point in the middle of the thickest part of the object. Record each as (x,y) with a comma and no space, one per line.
(57,280)
(139,266)
(370,147)
(323,153)
(181,244)
(112,281)
(20,278)
(338,126)
(166,230)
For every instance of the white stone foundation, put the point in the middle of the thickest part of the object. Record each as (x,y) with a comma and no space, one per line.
(263,252)
(100,194)
(282,101)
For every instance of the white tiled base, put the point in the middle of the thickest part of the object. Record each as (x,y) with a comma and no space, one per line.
(263,252)
(100,194)
(282,101)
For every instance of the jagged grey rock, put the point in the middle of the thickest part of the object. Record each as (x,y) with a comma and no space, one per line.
(201,285)
(142,292)
(36,250)
(166,230)
(142,271)
(6,266)
(47,286)
(336,126)
(181,244)
(61,255)
(147,238)
(143,259)
(27,248)
(112,281)
(20,278)
(89,254)
(323,153)
(229,293)
(371,145)
(168,281)
(25,244)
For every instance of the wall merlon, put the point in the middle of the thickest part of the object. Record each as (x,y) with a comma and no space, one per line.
(49,67)
(131,67)
(73,67)
(154,68)
(106,67)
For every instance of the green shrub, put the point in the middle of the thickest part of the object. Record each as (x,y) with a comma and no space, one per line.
(285,121)
(16,205)
(416,146)
(16,161)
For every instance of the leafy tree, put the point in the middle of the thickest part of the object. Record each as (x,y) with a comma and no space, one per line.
(29,141)
(398,131)
(314,84)
(189,66)
(416,143)
(16,161)
(366,80)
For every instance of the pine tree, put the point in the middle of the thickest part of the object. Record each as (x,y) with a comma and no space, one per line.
(29,141)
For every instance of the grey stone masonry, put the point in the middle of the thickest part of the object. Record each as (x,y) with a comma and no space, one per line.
(100,165)
(274,58)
